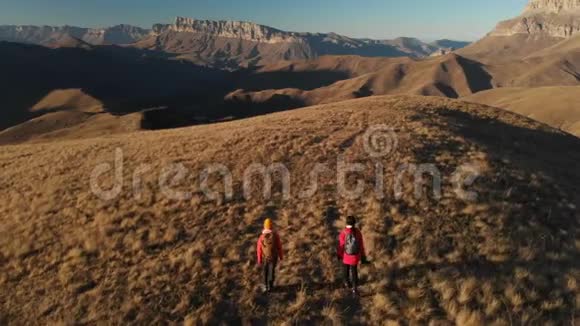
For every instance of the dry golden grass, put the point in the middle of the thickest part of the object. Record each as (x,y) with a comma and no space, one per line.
(557,106)
(510,257)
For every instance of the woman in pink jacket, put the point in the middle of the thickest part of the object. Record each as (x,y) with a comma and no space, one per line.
(351,251)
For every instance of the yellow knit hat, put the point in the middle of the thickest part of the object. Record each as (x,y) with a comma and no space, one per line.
(268,224)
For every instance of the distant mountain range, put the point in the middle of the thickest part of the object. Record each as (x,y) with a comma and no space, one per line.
(189,72)
(52,35)
(228,44)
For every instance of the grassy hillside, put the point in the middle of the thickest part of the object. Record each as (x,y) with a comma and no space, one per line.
(556,106)
(508,256)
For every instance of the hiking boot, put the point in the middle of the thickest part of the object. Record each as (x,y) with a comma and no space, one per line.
(265,289)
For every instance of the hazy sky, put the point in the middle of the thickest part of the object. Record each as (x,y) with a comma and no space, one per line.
(427,19)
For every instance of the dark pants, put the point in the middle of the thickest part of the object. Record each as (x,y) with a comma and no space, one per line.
(351,275)
(269,274)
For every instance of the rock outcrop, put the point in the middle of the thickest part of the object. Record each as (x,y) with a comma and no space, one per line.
(442,52)
(228,29)
(554,18)
(553,6)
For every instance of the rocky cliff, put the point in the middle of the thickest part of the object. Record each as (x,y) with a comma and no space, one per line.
(554,18)
(236,43)
(553,6)
(227,29)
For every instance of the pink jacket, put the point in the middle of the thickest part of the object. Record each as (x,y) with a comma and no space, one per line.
(277,243)
(350,259)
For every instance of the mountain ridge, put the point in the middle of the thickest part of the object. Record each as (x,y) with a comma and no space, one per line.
(232,44)
(226,28)
(42,35)
(227,43)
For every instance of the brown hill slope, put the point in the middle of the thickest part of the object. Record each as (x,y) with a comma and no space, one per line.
(69,114)
(510,256)
(68,100)
(447,76)
(556,106)
(332,78)
(70,125)
(558,69)
(507,48)
(567,46)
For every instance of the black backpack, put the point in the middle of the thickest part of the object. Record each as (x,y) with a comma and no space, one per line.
(351,244)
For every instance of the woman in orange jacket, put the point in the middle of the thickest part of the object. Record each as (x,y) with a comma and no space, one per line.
(269,250)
